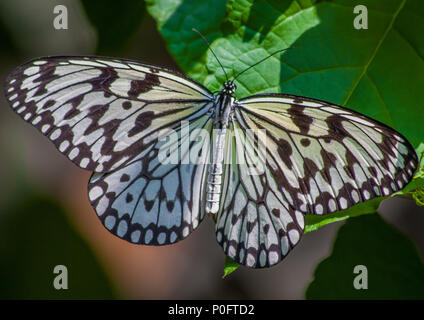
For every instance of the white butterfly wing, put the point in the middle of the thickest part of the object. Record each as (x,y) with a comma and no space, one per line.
(151,202)
(330,157)
(256,225)
(107,115)
(101,112)
(317,157)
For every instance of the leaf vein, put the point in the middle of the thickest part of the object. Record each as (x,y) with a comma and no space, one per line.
(374,53)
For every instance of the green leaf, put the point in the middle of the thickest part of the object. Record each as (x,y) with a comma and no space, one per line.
(230,266)
(378,71)
(395,270)
(115,22)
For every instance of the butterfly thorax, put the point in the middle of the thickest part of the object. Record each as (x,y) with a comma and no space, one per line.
(224,105)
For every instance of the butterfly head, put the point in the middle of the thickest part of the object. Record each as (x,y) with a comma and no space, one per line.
(229,87)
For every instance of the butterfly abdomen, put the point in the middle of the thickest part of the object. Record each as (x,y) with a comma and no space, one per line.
(215,172)
(223,106)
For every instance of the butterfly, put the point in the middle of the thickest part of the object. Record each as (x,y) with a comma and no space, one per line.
(111,116)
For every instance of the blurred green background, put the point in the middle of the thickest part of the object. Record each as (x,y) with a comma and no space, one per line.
(46,219)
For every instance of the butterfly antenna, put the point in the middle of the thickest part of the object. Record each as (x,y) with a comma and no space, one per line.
(209,47)
(278,51)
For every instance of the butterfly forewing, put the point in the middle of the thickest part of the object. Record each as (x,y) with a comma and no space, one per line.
(100,112)
(107,115)
(328,158)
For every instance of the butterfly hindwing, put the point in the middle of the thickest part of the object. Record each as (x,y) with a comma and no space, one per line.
(98,111)
(256,226)
(150,201)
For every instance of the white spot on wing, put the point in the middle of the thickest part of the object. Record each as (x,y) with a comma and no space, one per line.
(122,228)
(300,219)
(250,260)
(219,236)
(262,258)
(294,236)
(355,196)
(135,236)
(186,231)
(56,134)
(45,128)
(102,205)
(110,222)
(386,191)
(36,120)
(332,205)
(343,203)
(21,109)
(74,153)
(148,236)
(273,257)
(31,70)
(95,193)
(40,62)
(84,162)
(63,146)
(284,245)
(366,194)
